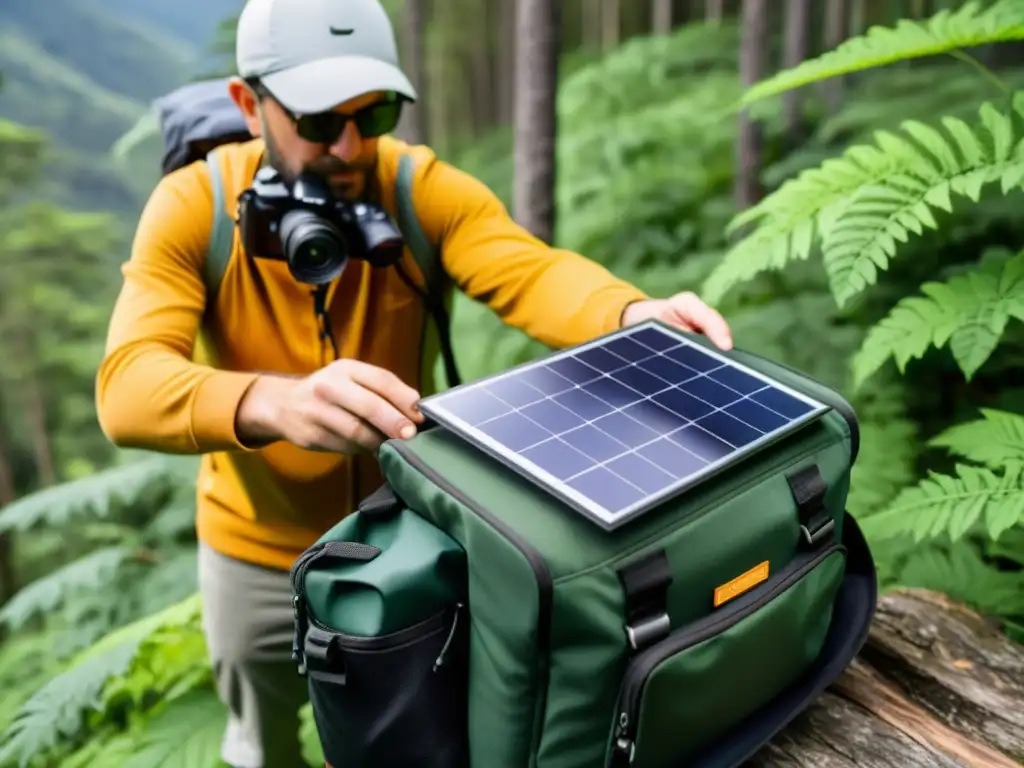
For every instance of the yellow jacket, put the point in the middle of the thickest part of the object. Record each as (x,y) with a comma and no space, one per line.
(154,392)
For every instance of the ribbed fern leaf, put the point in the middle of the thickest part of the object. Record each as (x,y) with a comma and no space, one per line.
(995,440)
(98,493)
(944,505)
(185,734)
(884,466)
(970,311)
(860,205)
(958,571)
(93,571)
(944,32)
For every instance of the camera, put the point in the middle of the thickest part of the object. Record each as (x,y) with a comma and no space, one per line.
(315,233)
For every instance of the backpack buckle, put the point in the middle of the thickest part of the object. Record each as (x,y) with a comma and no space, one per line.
(648,630)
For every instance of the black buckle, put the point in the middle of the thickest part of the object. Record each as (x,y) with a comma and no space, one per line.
(809,490)
(646,583)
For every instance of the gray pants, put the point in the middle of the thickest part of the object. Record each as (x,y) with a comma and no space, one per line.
(247,618)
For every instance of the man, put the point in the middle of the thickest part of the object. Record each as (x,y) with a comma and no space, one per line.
(286,426)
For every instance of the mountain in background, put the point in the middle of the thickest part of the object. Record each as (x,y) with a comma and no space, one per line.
(85,71)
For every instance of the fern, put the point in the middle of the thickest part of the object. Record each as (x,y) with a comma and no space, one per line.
(185,734)
(950,506)
(97,494)
(945,32)
(860,204)
(42,596)
(970,311)
(995,440)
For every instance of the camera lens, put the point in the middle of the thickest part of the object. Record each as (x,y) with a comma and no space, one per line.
(315,249)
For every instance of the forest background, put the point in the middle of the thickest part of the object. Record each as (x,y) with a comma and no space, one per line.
(844,179)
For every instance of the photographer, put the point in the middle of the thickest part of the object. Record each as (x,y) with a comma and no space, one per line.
(306,363)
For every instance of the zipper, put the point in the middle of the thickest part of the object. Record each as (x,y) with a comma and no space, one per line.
(644,663)
(451,636)
(541,574)
(829,396)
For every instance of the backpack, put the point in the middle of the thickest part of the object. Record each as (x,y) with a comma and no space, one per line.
(467,614)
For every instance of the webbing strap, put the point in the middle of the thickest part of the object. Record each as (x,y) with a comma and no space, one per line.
(646,583)
(218,253)
(421,247)
(809,488)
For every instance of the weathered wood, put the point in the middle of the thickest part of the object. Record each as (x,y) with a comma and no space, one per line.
(936,686)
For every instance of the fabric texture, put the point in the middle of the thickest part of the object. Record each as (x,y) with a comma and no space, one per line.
(247,621)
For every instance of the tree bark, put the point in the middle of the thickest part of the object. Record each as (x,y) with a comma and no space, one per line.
(753,47)
(504,73)
(538,23)
(611,24)
(794,51)
(661,17)
(413,128)
(835,33)
(935,686)
(714,10)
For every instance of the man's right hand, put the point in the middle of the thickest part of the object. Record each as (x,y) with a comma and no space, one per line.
(347,407)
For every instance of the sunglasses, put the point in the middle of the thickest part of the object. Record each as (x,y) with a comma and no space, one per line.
(373,120)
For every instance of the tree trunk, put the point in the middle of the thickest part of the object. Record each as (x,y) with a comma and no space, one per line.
(537,32)
(794,51)
(611,27)
(661,17)
(413,128)
(835,33)
(935,686)
(504,73)
(31,389)
(8,576)
(714,10)
(753,46)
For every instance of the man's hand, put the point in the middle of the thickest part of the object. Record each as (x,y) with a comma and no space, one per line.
(685,310)
(347,407)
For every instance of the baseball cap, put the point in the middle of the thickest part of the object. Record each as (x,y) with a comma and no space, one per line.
(315,54)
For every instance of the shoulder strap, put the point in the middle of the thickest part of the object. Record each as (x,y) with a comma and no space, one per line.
(218,252)
(422,249)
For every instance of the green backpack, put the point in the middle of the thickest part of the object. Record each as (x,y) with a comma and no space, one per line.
(465,616)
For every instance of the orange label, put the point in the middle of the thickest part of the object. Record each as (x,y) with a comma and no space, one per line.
(741,583)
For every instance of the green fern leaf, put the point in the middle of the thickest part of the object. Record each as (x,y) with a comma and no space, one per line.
(995,440)
(957,570)
(944,505)
(884,466)
(91,572)
(186,733)
(970,311)
(98,493)
(861,204)
(945,32)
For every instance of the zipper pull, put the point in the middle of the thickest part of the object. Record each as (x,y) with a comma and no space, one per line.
(451,634)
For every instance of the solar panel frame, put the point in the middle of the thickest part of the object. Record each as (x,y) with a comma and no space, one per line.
(433,407)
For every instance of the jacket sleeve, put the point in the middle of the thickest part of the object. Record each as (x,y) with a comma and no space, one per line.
(150,393)
(557,297)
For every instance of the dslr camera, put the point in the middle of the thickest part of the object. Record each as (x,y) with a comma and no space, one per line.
(315,233)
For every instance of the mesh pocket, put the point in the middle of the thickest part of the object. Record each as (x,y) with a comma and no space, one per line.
(394,700)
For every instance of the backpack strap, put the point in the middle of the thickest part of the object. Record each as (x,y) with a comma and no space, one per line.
(218,253)
(427,258)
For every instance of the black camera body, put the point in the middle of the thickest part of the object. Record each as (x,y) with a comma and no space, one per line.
(315,233)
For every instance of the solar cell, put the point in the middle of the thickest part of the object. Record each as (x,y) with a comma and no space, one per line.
(618,425)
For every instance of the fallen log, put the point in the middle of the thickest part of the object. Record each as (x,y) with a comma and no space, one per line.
(935,686)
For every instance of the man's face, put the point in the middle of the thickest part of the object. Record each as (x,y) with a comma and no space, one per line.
(345,163)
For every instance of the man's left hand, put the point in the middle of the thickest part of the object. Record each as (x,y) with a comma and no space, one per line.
(685,310)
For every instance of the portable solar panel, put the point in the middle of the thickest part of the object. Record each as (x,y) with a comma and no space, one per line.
(618,425)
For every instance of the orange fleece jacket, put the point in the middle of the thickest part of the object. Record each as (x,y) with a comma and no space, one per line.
(154,392)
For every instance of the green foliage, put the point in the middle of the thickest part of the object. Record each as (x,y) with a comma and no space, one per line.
(948,31)
(929,206)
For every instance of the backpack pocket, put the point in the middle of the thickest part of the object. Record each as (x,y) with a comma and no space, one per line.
(381,635)
(692,687)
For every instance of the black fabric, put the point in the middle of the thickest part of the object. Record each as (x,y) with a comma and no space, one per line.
(380,503)
(851,619)
(392,706)
(809,488)
(646,583)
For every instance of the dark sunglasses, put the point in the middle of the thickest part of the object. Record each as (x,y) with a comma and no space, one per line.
(373,120)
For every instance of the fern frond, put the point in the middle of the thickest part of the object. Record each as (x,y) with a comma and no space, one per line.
(957,570)
(995,440)
(186,733)
(91,572)
(98,494)
(970,311)
(945,32)
(874,196)
(944,505)
(885,465)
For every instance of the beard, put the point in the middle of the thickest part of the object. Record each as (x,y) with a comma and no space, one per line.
(328,167)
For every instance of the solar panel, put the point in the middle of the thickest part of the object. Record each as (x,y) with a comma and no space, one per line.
(615,426)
